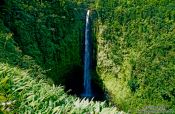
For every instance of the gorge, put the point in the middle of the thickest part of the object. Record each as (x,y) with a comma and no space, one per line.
(46,60)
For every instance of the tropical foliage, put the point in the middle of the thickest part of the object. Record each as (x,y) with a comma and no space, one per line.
(24,87)
(41,42)
(136,45)
(49,31)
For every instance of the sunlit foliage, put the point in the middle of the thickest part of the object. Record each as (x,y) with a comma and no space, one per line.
(136,45)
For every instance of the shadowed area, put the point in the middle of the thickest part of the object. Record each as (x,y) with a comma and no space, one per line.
(74,84)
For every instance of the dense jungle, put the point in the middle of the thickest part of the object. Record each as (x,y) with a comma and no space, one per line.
(42,56)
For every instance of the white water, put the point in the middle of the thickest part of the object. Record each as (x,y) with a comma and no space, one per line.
(87,92)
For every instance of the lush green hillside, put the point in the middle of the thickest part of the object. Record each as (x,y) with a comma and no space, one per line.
(40,41)
(136,52)
(24,87)
(49,31)
(41,45)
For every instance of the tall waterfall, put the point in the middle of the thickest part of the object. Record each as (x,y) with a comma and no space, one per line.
(87,92)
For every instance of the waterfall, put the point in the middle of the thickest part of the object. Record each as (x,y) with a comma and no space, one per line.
(87,92)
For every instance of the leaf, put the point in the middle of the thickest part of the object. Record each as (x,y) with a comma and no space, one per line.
(56,109)
(2,98)
(4,80)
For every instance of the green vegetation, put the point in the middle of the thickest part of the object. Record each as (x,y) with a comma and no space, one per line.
(24,87)
(49,31)
(42,40)
(136,52)
(22,93)
(39,43)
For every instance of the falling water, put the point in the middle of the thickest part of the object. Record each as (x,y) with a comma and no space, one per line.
(87,76)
